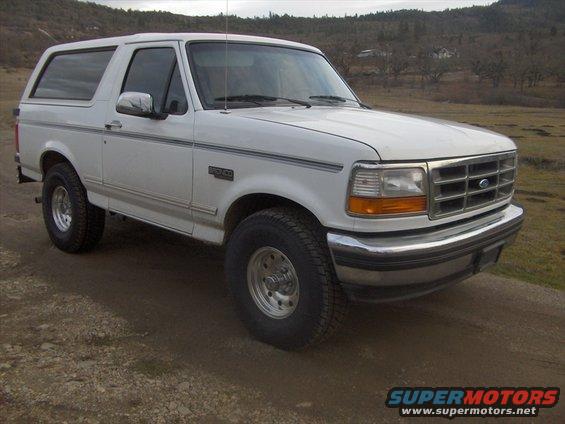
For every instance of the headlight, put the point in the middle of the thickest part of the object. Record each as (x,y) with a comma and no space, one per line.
(382,190)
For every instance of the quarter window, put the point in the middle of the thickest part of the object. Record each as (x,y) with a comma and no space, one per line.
(155,71)
(72,76)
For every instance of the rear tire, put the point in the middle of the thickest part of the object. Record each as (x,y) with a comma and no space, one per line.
(311,304)
(73,224)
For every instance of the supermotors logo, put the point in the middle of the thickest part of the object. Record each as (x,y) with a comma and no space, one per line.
(452,402)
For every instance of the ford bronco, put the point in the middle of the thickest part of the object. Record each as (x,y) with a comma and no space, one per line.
(259,145)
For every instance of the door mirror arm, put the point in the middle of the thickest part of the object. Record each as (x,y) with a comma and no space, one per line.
(159,116)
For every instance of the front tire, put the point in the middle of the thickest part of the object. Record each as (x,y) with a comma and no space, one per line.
(73,224)
(281,276)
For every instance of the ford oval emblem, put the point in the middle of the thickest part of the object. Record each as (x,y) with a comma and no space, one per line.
(484,183)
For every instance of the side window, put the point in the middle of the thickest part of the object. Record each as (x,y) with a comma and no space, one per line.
(72,76)
(155,71)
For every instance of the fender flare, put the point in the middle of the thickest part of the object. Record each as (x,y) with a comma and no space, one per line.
(60,148)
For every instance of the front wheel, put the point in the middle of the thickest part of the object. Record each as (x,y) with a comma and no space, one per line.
(282,279)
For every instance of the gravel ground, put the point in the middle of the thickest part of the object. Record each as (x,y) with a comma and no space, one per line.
(143,330)
(70,359)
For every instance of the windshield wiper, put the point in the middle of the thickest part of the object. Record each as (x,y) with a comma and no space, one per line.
(340,99)
(258,98)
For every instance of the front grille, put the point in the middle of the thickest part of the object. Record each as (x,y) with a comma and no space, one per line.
(461,185)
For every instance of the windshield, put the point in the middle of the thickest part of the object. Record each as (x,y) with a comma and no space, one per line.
(261,75)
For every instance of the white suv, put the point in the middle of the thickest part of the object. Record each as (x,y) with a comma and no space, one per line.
(258,144)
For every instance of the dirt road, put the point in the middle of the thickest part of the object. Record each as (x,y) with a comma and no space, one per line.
(143,329)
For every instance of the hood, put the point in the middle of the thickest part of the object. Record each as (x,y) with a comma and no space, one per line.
(394,136)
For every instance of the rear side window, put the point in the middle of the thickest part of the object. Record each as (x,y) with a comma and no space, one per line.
(155,71)
(73,76)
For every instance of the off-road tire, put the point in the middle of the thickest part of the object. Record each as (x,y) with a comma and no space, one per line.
(322,305)
(87,224)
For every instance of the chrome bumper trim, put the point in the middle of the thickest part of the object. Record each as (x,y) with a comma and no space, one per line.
(394,260)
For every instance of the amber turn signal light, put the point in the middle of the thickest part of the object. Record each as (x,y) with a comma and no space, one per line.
(386,205)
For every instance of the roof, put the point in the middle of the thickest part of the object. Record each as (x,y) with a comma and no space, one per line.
(182,36)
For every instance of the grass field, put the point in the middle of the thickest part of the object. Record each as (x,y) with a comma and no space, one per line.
(538,254)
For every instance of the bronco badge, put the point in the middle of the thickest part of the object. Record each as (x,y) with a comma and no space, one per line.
(221,173)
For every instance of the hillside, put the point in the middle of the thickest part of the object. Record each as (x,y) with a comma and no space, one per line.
(21,23)
(512,42)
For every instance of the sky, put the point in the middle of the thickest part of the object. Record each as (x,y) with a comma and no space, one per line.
(251,8)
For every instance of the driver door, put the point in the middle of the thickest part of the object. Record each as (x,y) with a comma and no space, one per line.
(147,163)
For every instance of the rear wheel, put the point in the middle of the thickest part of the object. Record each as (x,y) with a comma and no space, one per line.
(73,224)
(282,279)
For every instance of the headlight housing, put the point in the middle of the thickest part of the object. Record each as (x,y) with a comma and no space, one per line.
(376,190)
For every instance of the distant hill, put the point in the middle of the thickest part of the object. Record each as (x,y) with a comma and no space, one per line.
(27,25)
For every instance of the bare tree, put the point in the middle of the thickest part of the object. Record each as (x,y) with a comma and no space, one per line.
(518,68)
(398,63)
(536,72)
(343,55)
(424,65)
(479,68)
(496,66)
(438,69)
(430,69)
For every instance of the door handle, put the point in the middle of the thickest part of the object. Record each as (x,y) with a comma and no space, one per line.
(113,124)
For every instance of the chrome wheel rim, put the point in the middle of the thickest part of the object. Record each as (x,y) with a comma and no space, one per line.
(273,282)
(61,208)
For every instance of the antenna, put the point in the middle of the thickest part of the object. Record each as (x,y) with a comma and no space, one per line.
(226,67)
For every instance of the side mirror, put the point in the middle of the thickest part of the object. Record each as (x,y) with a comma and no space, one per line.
(138,104)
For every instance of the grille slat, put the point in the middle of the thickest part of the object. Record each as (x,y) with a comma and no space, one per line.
(505,183)
(486,174)
(456,184)
(480,190)
(453,180)
(450,197)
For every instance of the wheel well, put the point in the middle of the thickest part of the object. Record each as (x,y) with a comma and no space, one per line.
(49,159)
(251,203)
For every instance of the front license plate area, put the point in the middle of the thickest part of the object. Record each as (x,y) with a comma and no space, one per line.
(488,256)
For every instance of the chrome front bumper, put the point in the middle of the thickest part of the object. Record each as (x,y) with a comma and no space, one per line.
(408,264)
